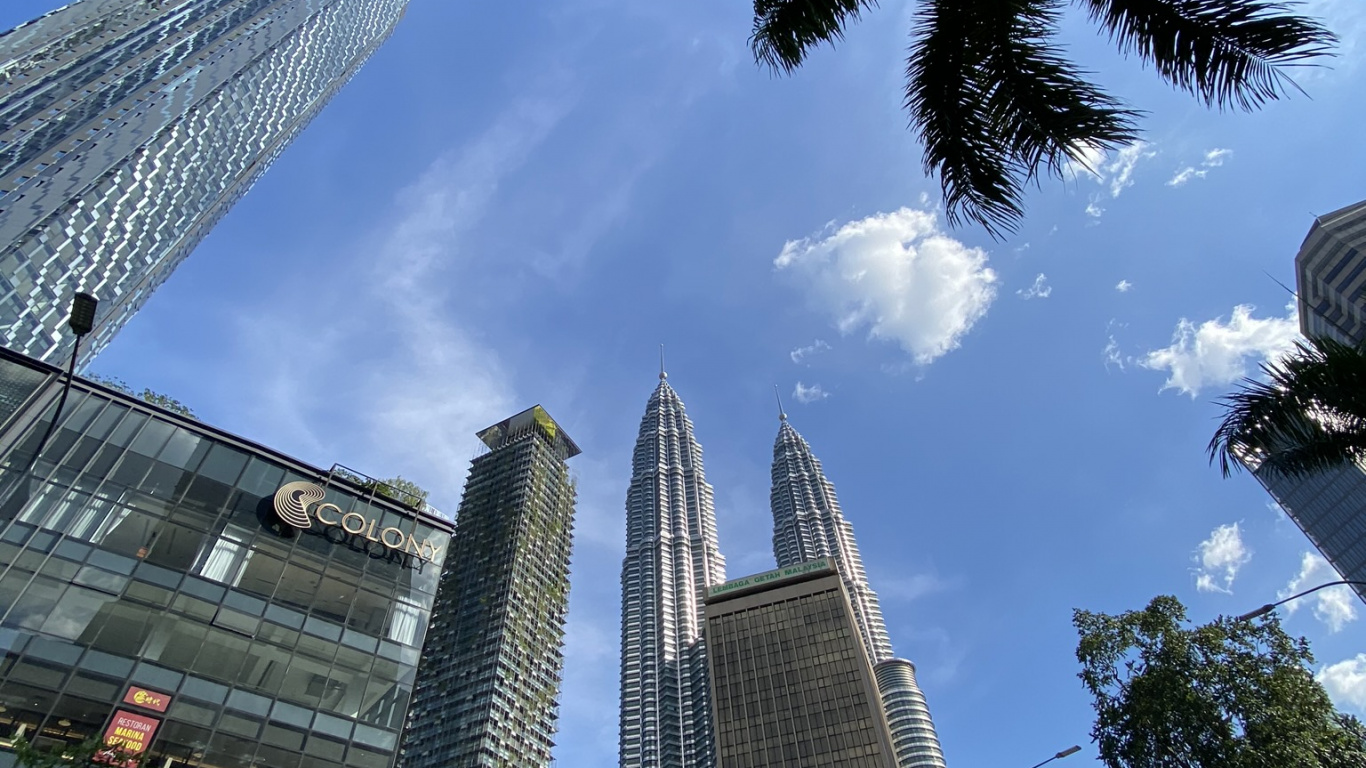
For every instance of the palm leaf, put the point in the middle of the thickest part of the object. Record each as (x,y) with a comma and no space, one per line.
(995,104)
(784,30)
(1227,52)
(1308,417)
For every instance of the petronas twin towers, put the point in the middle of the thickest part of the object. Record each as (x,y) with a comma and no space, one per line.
(672,556)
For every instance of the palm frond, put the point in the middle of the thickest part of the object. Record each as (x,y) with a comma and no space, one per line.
(784,30)
(995,104)
(1309,416)
(1226,52)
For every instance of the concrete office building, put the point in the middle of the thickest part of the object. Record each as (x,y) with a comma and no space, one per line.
(790,679)
(808,524)
(226,604)
(128,128)
(1330,276)
(1330,273)
(490,677)
(672,557)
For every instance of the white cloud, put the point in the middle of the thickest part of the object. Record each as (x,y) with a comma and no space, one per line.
(1113,170)
(1345,682)
(1216,353)
(801,353)
(897,274)
(1220,558)
(1213,159)
(1335,607)
(1093,210)
(1120,170)
(1112,355)
(1184,175)
(1039,290)
(1123,286)
(811,394)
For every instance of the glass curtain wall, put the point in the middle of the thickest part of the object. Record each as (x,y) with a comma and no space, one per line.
(137,550)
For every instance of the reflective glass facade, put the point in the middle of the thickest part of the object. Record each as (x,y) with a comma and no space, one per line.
(144,549)
(790,680)
(128,128)
(1330,272)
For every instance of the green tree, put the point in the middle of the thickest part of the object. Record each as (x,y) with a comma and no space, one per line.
(91,753)
(1308,416)
(148,396)
(402,490)
(1228,694)
(997,104)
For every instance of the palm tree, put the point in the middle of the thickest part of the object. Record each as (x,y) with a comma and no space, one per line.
(996,104)
(1308,417)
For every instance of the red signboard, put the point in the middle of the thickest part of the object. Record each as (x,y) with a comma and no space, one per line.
(130,733)
(141,697)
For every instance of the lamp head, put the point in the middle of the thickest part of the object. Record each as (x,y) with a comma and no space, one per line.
(1072,750)
(1257,614)
(83,307)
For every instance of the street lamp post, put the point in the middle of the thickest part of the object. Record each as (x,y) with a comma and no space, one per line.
(1269,607)
(81,322)
(1072,750)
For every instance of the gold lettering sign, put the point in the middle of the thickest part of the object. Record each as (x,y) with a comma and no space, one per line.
(298,505)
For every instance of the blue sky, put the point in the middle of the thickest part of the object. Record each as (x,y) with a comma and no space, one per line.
(513,205)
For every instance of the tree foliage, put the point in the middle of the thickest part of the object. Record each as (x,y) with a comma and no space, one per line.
(91,753)
(403,490)
(1228,694)
(997,104)
(1308,417)
(148,396)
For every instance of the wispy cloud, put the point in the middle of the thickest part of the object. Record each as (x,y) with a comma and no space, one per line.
(1217,353)
(801,353)
(913,587)
(1220,558)
(428,384)
(1093,208)
(1123,286)
(804,394)
(1336,607)
(1112,355)
(897,274)
(1112,170)
(1213,159)
(1040,289)
(1345,682)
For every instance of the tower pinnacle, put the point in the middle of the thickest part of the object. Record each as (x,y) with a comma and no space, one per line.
(662,373)
(782,415)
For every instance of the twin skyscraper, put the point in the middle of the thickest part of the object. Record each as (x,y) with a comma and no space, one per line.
(673,557)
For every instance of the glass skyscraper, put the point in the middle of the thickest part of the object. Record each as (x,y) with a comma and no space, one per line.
(128,128)
(241,607)
(672,557)
(1330,272)
(490,677)
(809,524)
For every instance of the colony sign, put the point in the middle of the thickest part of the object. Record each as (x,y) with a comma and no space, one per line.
(298,504)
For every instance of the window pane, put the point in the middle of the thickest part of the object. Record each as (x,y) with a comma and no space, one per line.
(78,607)
(175,547)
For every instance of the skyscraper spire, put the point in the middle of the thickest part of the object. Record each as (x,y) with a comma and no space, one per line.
(671,558)
(782,415)
(808,524)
